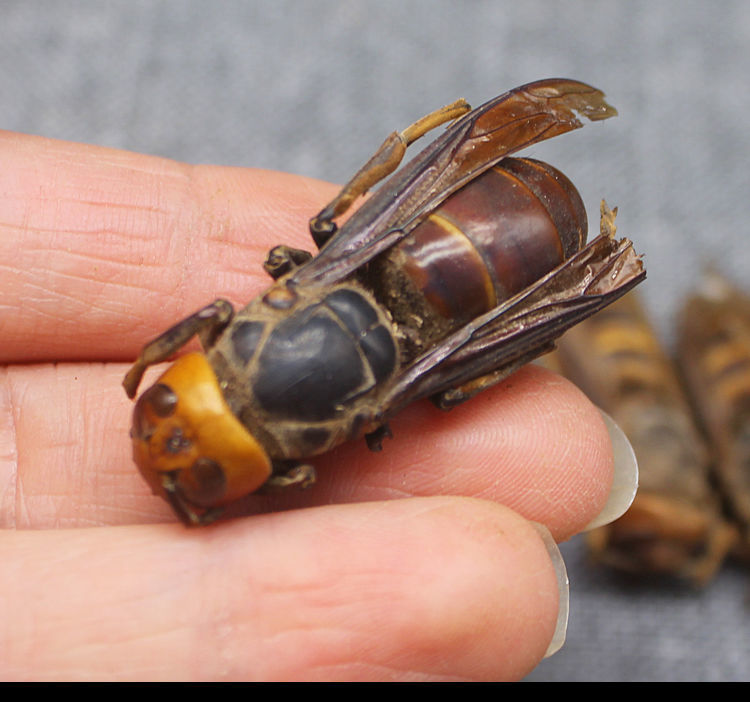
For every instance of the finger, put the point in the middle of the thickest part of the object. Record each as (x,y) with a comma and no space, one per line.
(103,249)
(426,589)
(533,443)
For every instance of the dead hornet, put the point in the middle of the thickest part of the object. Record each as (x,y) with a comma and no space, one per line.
(460,268)
(714,354)
(674,525)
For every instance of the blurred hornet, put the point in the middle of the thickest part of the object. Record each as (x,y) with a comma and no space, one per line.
(714,354)
(674,525)
(462,267)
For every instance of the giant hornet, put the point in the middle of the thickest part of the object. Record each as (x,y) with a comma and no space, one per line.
(460,268)
(714,354)
(675,525)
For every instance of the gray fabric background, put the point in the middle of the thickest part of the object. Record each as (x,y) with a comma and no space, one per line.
(313,86)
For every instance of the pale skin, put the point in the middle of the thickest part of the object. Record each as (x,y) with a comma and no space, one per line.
(418,563)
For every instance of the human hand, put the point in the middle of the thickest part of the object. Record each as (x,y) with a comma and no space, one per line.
(379,577)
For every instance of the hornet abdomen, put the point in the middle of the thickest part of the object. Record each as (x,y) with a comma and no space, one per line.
(487,242)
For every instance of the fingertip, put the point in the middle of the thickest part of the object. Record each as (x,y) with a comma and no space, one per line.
(445,589)
(563,586)
(625,480)
(573,472)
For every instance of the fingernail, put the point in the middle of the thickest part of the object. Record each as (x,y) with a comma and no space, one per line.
(625,483)
(558,638)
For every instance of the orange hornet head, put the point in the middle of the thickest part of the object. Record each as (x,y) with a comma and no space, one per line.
(190,447)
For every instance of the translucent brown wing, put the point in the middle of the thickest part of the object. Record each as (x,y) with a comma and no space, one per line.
(522,327)
(472,144)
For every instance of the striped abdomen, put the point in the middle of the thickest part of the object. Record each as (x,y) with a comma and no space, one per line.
(615,355)
(487,242)
(674,524)
(714,350)
(617,360)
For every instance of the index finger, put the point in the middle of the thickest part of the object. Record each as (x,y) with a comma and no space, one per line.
(103,249)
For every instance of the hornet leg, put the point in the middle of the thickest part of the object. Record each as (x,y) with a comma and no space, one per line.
(375,438)
(290,473)
(282,259)
(448,399)
(206,323)
(385,160)
(185,511)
